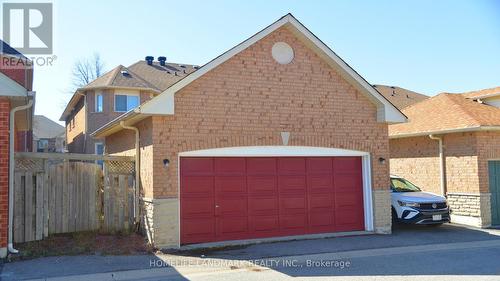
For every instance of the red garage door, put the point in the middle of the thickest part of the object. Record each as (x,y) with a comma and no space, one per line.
(254,197)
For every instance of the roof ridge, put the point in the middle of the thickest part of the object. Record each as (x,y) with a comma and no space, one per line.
(114,74)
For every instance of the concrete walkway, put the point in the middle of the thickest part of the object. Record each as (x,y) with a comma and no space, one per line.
(410,250)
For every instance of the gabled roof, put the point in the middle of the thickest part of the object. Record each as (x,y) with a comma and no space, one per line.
(120,77)
(485,93)
(446,113)
(45,128)
(400,97)
(387,112)
(163,104)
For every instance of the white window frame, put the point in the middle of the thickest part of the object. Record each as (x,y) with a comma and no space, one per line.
(125,94)
(95,103)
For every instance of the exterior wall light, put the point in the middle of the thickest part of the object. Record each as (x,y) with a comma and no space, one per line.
(166,162)
(381,160)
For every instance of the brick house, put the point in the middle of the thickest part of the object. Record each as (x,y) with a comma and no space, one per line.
(277,136)
(111,95)
(451,145)
(16,76)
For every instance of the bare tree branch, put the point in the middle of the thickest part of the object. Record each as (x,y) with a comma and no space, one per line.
(87,70)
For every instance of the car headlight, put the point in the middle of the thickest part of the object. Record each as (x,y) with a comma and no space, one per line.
(408,204)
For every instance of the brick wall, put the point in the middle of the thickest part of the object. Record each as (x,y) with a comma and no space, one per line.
(4,169)
(250,99)
(417,159)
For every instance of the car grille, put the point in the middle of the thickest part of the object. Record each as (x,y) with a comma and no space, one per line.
(428,206)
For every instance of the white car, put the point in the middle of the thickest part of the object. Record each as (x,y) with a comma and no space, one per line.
(413,206)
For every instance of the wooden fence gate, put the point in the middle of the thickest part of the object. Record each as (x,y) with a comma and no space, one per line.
(60,193)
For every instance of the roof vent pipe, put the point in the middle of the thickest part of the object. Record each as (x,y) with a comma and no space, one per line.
(149,60)
(162,60)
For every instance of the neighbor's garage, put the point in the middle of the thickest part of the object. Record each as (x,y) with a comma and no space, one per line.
(254,197)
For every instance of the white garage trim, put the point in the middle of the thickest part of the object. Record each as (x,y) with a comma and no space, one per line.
(298,151)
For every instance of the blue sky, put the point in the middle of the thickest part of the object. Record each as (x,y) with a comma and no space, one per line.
(425,46)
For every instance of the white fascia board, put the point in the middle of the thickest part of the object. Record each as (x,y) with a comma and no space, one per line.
(386,112)
(11,88)
(446,131)
(268,151)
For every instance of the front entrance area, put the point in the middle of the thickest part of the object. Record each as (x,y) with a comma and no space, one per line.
(494,179)
(231,198)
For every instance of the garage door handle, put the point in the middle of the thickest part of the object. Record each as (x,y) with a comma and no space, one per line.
(216,206)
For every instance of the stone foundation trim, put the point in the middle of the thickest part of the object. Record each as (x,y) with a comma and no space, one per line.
(3,253)
(382,211)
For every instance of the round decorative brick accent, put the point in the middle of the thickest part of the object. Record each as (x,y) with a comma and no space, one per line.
(282,53)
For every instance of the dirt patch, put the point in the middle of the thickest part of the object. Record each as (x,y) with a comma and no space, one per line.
(83,243)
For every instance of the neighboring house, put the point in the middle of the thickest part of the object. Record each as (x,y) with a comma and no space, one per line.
(465,130)
(16,73)
(277,136)
(400,97)
(48,136)
(111,95)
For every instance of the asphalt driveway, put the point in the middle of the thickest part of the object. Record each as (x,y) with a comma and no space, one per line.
(366,252)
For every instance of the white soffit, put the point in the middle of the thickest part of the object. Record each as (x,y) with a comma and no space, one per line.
(11,88)
(163,104)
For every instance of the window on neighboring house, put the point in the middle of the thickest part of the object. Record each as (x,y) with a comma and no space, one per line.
(125,103)
(99,150)
(42,145)
(98,103)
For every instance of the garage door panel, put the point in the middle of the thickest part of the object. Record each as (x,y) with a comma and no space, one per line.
(198,207)
(231,184)
(292,205)
(324,220)
(263,205)
(261,166)
(346,164)
(320,183)
(263,226)
(269,196)
(350,221)
(292,224)
(231,227)
(197,186)
(291,166)
(347,182)
(319,165)
(197,166)
(231,206)
(230,166)
(262,185)
(198,230)
(294,183)
(321,201)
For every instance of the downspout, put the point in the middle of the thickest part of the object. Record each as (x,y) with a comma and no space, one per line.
(13,111)
(137,167)
(441,163)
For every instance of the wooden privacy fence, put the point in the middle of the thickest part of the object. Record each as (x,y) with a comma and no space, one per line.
(60,193)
